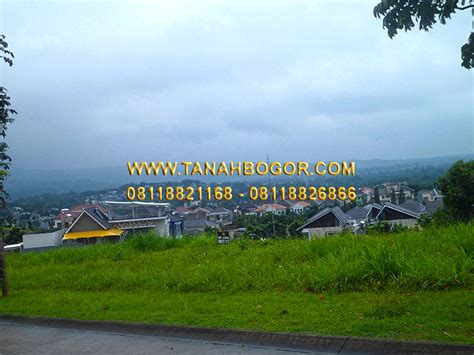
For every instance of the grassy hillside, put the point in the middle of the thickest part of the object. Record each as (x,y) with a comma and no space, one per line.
(415,285)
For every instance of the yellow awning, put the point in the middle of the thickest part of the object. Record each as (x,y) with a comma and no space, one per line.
(94,234)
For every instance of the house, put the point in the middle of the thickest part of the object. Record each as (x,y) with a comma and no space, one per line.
(197,226)
(176,225)
(64,219)
(91,227)
(395,214)
(274,208)
(384,195)
(42,241)
(139,216)
(373,210)
(247,209)
(67,215)
(198,213)
(429,195)
(182,210)
(285,203)
(357,214)
(364,195)
(388,189)
(299,207)
(328,221)
(414,206)
(219,213)
(407,191)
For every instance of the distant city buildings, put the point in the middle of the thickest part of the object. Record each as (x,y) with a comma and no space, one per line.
(95,221)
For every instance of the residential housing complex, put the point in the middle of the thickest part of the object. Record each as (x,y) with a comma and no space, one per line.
(97,222)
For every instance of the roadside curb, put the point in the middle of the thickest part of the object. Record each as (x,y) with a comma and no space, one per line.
(336,344)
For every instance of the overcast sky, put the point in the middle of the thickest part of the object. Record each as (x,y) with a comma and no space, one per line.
(101,83)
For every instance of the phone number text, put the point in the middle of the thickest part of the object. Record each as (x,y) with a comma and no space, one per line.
(254,193)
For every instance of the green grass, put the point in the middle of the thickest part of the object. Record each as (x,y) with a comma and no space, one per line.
(410,285)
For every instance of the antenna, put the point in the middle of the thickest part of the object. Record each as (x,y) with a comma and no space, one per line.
(269,186)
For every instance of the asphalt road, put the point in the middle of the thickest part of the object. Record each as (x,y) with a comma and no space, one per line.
(32,339)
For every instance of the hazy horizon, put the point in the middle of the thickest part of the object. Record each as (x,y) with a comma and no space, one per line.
(97,84)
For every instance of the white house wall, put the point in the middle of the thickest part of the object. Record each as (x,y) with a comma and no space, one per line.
(42,240)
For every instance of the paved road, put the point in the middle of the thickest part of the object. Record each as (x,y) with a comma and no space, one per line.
(31,339)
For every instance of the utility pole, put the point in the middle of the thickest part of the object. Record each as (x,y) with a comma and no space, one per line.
(3,269)
(272,211)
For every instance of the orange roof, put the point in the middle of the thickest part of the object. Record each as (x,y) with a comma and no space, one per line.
(114,232)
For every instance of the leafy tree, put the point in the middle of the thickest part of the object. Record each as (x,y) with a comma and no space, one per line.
(15,235)
(403,14)
(376,195)
(5,118)
(401,196)
(457,187)
(393,197)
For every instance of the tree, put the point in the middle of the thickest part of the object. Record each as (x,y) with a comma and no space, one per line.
(393,197)
(401,196)
(5,118)
(457,187)
(403,14)
(376,195)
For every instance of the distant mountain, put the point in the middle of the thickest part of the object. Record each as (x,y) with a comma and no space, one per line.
(28,182)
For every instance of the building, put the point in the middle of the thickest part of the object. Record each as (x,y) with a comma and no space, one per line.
(389,190)
(67,215)
(274,208)
(182,210)
(219,213)
(414,206)
(176,225)
(139,216)
(299,207)
(394,214)
(373,210)
(198,213)
(364,195)
(64,219)
(197,226)
(429,195)
(247,209)
(328,221)
(42,241)
(357,214)
(91,227)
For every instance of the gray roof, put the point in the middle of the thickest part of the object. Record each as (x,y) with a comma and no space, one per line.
(433,206)
(219,209)
(98,216)
(335,210)
(413,206)
(198,223)
(375,205)
(400,209)
(357,213)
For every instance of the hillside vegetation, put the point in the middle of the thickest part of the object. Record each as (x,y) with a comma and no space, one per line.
(410,285)
(413,260)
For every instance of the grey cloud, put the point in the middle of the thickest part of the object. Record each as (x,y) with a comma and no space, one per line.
(98,83)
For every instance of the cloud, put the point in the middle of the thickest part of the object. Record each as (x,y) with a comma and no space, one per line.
(97,83)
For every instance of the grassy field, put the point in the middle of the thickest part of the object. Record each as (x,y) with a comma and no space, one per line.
(412,285)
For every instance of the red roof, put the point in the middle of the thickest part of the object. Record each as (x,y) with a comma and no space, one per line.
(77,210)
